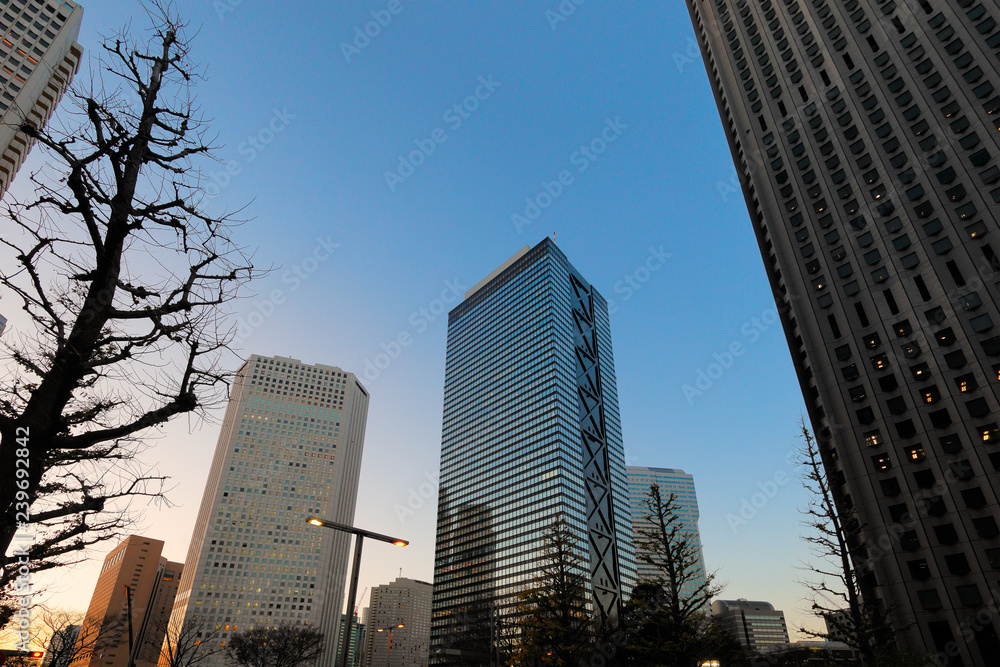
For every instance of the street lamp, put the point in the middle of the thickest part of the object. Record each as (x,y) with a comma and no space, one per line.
(353,591)
(389,646)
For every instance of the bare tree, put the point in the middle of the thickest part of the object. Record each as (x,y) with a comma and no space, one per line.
(836,588)
(673,549)
(668,615)
(67,635)
(188,644)
(281,646)
(124,277)
(63,635)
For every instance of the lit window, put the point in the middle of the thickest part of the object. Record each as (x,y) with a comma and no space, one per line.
(915,453)
(873,438)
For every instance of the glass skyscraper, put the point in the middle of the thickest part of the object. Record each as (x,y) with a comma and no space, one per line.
(530,432)
(670,481)
(865,138)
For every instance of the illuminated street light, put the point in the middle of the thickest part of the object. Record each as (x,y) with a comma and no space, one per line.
(353,594)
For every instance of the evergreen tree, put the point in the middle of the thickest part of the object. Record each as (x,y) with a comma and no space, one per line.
(556,626)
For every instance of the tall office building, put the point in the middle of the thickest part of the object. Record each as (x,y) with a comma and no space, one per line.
(290,448)
(531,432)
(407,603)
(681,485)
(758,626)
(865,138)
(136,577)
(38,58)
(357,639)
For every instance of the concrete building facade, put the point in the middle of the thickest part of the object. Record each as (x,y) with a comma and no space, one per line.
(134,576)
(865,137)
(407,603)
(39,56)
(289,448)
(758,626)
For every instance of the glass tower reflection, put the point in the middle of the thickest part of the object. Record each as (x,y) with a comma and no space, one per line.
(531,431)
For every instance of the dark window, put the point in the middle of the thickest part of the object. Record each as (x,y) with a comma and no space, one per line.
(946,534)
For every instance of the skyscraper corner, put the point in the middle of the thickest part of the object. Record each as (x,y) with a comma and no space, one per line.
(531,432)
(39,56)
(865,138)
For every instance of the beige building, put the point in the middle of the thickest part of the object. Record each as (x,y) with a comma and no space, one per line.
(864,135)
(134,569)
(407,603)
(38,58)
(290,448)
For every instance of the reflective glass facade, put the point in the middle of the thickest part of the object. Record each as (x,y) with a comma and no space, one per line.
(531,431)
(681,485)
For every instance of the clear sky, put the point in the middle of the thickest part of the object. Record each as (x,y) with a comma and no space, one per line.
(614,95)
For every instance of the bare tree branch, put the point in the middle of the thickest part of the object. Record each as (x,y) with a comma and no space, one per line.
(125,278)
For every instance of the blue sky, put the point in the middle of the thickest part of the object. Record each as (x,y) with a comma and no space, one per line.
(308,130)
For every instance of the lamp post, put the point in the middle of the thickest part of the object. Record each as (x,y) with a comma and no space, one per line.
(360,535)
(389,646)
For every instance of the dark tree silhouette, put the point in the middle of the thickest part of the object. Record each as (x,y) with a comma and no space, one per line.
(281,646)
(556,626)
(188,643)
(835,587)
(667,617)
(124,277)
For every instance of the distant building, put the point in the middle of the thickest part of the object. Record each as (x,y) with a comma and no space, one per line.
(681,485)
(60,647)
(820,653)
(407,603)
(3,324)
(758,626)
(38,58)
(134,569)
(832,620)
(357,641)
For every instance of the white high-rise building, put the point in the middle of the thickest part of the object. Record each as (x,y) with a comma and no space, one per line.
(670,481)
(38,58)
(398,630)
(290,448)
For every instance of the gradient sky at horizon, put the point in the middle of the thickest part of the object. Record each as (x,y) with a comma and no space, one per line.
(307,134)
